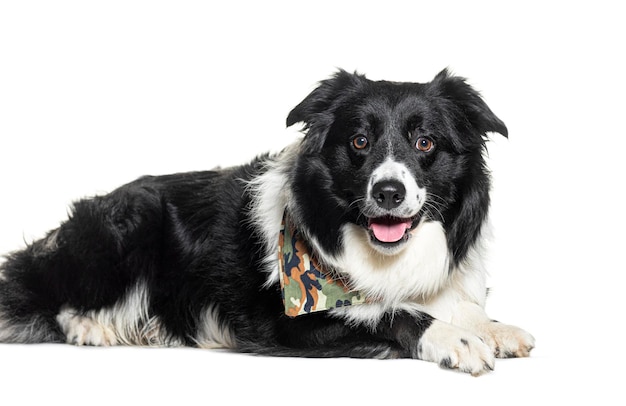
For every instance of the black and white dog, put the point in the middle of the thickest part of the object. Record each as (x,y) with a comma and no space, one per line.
(383,206)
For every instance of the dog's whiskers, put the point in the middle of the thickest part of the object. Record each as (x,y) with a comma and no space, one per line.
(355,202)
(430,206)
(435,197)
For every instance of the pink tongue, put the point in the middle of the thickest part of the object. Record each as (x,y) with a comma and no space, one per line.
(389,231)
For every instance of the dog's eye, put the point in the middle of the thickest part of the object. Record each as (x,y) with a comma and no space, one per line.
(360,142)
(424,144)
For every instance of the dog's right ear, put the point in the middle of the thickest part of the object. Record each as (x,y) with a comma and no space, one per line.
(316,111)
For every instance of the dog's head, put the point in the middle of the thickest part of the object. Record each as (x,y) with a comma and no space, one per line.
(387,156)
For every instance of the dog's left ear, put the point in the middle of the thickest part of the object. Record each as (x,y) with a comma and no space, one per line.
(479,116)
(316,111)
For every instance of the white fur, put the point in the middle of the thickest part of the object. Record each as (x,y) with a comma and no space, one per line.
(404,280)
(270,193)
(420,280)
(211,333)
(458,306)
(503,339)
(392,170)
(417,272)
(85,330)
(466,283)
(126,322)
(454,347)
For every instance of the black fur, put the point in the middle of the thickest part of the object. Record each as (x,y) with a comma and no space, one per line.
(191,239)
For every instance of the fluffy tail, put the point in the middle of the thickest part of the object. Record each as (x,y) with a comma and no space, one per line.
(26,317)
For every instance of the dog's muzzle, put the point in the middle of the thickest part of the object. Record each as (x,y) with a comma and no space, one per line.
(392,205)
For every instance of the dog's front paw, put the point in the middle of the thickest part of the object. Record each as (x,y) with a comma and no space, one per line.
(453,347)
(507,341)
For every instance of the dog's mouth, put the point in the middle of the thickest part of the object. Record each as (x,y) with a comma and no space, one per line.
(389,230)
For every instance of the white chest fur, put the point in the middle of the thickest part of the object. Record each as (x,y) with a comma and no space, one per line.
(418,280)
(419,271)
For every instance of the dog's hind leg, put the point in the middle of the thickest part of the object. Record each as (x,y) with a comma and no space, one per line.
(97,264)
(127,322)
(84,329)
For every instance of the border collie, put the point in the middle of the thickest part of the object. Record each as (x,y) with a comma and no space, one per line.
(362,239)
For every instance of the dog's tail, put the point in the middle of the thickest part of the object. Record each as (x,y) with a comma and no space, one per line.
(23,318)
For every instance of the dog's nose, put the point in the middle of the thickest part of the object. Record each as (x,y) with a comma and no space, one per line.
(388,194)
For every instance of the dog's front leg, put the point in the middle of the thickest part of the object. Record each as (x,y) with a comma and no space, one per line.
(506,341)
(432,340)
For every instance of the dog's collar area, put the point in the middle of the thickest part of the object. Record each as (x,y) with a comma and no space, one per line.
(306,286)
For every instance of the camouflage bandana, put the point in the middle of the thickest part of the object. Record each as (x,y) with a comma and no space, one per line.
(306,287)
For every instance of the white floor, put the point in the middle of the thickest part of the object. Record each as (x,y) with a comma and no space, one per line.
(68,375)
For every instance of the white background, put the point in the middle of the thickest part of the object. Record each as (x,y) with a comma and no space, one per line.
(95,94)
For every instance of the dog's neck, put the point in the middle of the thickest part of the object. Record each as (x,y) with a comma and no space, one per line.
(306,286)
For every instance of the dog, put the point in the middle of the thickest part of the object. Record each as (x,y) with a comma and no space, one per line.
(363,239)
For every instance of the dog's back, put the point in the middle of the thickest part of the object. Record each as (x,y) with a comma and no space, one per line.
(144,264)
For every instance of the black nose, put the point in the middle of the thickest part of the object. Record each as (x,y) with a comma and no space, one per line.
(388,194)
